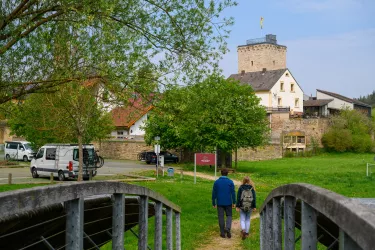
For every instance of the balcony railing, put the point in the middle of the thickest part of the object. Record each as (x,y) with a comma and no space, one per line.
(279,109)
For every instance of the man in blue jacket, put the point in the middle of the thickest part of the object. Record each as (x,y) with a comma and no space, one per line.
(224,199)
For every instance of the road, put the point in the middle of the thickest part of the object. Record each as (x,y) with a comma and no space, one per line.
(111,167)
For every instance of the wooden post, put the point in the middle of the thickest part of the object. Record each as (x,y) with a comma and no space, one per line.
(74,224)
(289,223)
(10,178)
(143,223)
(276,223)
(269,227)
(169,228)
(178,231)
(309,227)
(158,244)
(263,230)
(90,175)
(51,178)
(182,174)
(347,243)
(118,221)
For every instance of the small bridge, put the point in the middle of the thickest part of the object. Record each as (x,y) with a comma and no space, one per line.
(333,220)
(85,215)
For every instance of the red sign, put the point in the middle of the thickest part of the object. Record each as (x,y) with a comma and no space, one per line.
(205,159)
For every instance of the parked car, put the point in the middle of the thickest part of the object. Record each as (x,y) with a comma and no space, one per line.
(150,157)
(18,150)
(62,161)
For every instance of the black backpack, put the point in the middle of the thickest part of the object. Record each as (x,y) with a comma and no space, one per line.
(246,200)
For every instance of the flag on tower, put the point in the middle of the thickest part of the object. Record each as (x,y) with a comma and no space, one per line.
(261,22)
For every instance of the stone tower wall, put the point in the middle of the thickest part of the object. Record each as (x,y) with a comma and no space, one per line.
(269,56)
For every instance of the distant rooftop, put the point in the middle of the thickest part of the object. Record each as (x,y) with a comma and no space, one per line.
(267,39)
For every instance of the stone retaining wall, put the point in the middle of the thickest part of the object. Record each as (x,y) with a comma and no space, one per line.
(121,150)
(313,129)
(268,152)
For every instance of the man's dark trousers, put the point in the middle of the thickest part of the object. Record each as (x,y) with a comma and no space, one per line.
(228,213)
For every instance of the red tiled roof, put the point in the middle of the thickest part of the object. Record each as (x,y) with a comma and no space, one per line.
(127,116)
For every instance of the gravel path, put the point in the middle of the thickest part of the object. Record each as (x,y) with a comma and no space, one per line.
(215,242)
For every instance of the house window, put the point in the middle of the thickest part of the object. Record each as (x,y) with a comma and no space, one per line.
(286,139)
(300,139)
(292,87)
(120,132)
(281,86)
(287,74)
(296,102)
(279,101)
(252,63)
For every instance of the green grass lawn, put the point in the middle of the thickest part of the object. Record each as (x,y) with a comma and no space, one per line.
(341,173)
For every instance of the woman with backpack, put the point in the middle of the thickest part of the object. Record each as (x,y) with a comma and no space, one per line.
(246,203)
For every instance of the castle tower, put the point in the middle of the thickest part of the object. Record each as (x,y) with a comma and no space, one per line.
(261,53)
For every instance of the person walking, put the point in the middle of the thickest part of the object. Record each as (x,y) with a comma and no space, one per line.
(246,203)
(224,199)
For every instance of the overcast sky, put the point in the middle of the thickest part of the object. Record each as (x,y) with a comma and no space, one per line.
(331,43)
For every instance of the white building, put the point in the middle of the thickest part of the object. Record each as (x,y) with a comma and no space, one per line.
(278,89)
(339,102)
(129,121)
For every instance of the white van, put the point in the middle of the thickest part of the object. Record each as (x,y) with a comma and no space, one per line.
(18,150)
(62,161)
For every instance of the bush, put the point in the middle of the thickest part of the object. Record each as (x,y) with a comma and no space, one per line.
(349,132)
(362,144)
(339,140)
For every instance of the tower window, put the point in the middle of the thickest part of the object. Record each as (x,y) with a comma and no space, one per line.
(252,63)
(273,63)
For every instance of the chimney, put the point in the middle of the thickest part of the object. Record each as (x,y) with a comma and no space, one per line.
(242,72)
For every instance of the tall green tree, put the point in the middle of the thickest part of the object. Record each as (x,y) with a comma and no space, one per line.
(112,41)
(369,99)
(71,114)
(214,113)
(350,131)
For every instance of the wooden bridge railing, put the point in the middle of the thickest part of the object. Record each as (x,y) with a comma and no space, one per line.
(72,196)
(322,216)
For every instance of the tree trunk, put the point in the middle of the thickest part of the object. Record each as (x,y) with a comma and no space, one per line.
(223,161)
(235,159)
(80,153)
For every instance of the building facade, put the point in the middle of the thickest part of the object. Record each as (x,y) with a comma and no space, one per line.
(277,89)
(261,53)
(340,102)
